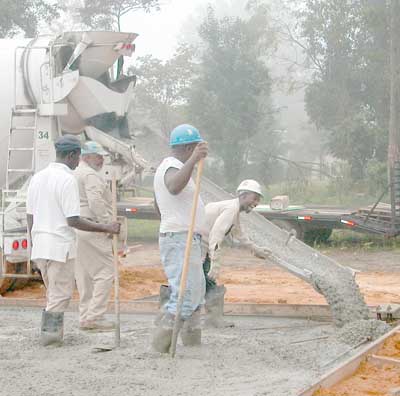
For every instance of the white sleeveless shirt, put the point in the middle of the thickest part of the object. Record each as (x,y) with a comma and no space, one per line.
(176,209)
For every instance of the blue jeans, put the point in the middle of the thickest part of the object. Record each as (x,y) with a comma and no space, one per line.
(172,251)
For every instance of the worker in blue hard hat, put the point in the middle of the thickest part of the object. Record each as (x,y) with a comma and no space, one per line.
(174,191)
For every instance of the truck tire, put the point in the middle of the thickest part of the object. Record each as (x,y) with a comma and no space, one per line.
(317,236)
(289,225)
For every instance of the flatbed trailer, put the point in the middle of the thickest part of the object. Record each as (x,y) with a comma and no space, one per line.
(313,224)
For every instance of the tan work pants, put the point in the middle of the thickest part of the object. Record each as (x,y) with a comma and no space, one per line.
(94,274)
(59,281)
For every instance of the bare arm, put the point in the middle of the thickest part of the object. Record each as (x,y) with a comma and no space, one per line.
(86,225)
(157,209)
(177,179)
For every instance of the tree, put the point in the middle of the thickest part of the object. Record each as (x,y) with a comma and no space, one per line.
(229,100)
(24,16)
(347,44)
(163,87)
(107,14)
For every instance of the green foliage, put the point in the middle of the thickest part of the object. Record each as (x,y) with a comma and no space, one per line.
(347,45)
(377,176)
(346,239)
(143,230)
(107,14)
(24,16)
(163,86)
(230,98)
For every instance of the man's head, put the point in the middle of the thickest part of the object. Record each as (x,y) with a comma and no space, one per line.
(250,194)
(68,150)
(93,154)
(183,140)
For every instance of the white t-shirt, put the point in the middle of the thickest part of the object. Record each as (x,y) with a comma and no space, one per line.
(176,209)
(53,196)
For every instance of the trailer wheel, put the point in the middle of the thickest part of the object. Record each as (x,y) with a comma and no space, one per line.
(317,236)
(288,226)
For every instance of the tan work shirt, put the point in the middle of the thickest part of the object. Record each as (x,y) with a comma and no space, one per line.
(222,219)
(95,194)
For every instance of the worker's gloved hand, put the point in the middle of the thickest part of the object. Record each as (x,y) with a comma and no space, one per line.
(214,270)
(261,252)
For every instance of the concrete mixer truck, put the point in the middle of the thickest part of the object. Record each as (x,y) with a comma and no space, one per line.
(71,83)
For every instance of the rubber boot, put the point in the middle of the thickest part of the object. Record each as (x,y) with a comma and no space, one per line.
(165,292)
(52,329)
(215,308)
(162,335)
(191,330)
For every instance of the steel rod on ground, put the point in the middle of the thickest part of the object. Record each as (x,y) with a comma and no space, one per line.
(185,269)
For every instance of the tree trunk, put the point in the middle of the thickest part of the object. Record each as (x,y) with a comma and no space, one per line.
(394,122)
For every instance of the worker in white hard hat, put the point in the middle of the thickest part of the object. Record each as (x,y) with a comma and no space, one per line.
(223,219)
(174,191)
(94,272)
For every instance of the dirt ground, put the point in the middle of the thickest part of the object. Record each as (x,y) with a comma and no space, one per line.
(259,357)
(249,279)
(371,379)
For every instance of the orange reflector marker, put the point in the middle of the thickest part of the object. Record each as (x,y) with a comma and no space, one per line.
(348,222)
(305,218)
(131,210)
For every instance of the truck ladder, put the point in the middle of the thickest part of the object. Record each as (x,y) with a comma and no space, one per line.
(23,121)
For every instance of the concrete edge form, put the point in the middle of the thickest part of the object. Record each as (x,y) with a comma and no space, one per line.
(148,306)
(350,366)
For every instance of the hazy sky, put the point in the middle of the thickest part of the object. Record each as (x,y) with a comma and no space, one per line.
(159,31)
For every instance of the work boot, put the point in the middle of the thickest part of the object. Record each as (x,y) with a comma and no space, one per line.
(165,292)
(97,326)
(215,308)
(52,328)
(191,330)
(162,335)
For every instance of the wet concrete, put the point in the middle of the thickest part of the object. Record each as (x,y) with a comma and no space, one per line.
(260,356)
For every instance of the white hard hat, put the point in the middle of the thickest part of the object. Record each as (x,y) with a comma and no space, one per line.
(250,185)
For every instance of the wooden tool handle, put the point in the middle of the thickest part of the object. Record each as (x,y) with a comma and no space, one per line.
(188,249)
(116,272)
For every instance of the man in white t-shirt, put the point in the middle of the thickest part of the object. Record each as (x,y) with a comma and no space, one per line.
(174,191)
(53,211)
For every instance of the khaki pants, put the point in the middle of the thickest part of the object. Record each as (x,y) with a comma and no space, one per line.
(59,281)
(94,274)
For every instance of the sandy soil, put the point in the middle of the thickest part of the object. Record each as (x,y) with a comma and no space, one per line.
(391,347)
(260,356)
(248,279)
(368,380)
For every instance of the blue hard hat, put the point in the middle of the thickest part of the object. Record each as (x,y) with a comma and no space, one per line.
(185,134)
(93,147)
